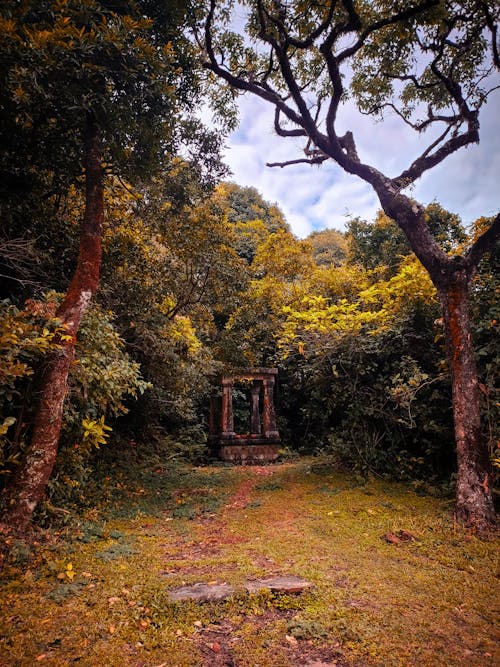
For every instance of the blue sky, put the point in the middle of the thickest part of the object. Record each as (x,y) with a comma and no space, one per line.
(467,183)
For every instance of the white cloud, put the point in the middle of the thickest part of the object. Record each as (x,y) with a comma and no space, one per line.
(318,197)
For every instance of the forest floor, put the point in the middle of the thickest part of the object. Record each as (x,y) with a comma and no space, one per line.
(393,582)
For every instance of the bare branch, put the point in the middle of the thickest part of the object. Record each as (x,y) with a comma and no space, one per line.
(436,143)
(286,133)
(418,127)
(348,145)
(316,160)
(426,161)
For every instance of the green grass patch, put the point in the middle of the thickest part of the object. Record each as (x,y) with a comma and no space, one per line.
(98,592)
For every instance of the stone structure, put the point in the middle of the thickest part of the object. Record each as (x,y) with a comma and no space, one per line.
(262,443)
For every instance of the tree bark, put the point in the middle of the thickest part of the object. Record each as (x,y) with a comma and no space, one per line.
(451,276)
(29,484)
(474,501)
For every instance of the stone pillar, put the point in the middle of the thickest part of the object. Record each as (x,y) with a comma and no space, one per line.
(227,421)
(255,427)
(269,415)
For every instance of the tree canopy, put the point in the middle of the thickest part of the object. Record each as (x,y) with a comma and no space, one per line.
(433,64)
(385,334)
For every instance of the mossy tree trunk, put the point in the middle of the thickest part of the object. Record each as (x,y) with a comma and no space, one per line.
(29,484)
(474,502)
(451,276)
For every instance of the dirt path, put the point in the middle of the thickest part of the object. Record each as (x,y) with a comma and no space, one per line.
(216,642)
(100,596)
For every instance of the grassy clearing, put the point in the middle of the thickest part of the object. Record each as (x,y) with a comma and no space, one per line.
(97,595)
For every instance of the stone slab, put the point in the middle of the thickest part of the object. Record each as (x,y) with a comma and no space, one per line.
(201,592)
(286,584)
(205,592)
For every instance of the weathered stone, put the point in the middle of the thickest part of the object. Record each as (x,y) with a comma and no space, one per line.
(205,592)
(286,584)
(249,453)
(201,592)
(262,443)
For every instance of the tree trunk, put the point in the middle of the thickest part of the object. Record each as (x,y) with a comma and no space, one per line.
(451,277)
(474,501)
(30,482)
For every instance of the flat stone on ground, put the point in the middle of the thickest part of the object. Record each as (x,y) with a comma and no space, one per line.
(204,592)
(287,584)
(201,592)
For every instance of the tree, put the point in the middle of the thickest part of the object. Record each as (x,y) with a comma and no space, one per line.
(329,247)
(428,62)
(169,244)
(279,269)
(252,217)
(84,84)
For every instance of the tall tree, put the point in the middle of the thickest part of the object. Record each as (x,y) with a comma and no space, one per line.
(427,61)
(84,84)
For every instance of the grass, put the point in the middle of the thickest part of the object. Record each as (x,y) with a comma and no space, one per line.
(98,595)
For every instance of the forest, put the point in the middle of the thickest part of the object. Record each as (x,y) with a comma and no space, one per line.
(134,273)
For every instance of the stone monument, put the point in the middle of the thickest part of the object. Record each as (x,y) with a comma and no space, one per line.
(262,443)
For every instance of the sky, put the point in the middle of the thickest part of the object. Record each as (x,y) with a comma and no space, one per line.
(319,197)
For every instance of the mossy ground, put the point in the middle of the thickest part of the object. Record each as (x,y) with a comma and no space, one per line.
(97,595)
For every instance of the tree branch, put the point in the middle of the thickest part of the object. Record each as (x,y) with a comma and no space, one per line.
(316,160)
(286,133)
(260,89)
(490,22)
(426,161)
(483,243)
(382,23)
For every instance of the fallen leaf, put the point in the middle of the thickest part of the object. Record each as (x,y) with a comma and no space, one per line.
(391,538)
(214,646)
(41,656)
(113,599)
(291,640)
(112,629)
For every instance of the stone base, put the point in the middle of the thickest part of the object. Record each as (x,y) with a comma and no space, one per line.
(254,453)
